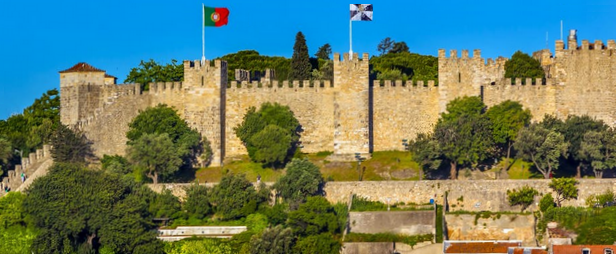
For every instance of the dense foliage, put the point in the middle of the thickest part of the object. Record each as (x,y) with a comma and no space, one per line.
(70,146)
(507,119)
(235,197)
(300,61)
(544,147)
(324,52)
(151,71)
(80,209)
(404,66)
(523,197)
(161,142)
(313,217)
(574,129)
(565,189)
(34,127)
(521,65)
(276,240)
(252,61)
(302,180)
(269,134)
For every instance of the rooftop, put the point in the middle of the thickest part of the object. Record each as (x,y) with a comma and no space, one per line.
(577,249)
(480,247)
(82,67)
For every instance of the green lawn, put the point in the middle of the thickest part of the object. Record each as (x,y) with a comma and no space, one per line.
(389,165)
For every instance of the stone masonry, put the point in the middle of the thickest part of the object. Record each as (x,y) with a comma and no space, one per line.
(352,114)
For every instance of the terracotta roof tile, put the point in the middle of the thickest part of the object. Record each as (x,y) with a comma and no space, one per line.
(577,249)
(481,247)
(82,67)
(532,251)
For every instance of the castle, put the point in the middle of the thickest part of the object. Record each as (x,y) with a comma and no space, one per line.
(350,115)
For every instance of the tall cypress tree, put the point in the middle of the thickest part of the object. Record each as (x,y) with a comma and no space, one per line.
(300,62)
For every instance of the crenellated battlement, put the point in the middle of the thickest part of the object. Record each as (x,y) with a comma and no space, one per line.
(409,84)
(275,84)
(586,45)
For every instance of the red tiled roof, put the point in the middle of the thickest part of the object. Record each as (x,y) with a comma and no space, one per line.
(577,249)
(483,247)
(533,251)
(82,67)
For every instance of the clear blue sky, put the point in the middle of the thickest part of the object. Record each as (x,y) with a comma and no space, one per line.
(40,38)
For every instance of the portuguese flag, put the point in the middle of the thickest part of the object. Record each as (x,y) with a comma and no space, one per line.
(215,16)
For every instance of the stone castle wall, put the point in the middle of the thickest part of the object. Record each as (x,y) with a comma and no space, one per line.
(401,111)
(351,114)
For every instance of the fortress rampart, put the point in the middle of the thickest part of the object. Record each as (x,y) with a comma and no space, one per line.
(349,114)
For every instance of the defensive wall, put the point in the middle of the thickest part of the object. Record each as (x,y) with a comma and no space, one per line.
(396,222)
(349,114)
(461,195)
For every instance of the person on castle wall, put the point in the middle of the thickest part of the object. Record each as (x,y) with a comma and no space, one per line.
(23,177)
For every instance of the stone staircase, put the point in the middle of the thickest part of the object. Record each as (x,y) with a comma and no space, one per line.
(34,166)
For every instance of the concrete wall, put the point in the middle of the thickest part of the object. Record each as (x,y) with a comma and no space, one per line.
(397,222)
(497,227)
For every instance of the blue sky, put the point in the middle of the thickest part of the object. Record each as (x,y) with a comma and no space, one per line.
(40,38)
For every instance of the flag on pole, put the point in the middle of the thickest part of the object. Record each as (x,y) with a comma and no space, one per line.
(215,16)
(361,12)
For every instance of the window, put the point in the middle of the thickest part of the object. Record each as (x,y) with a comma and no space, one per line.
(608,251)
(586,251)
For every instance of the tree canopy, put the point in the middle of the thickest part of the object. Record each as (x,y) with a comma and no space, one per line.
(574,129)
(542,146)
(300,61)
(404,66)
(507,119)
(235,197)
(157,154)
(303,179)
(252,61)
(151,71)
(599,147)
(463,133)
(313,217)
(565,189)
(70,146)
(187,142)
(324,52)
(83,209)
(523,197)
(269,134)
(521,65)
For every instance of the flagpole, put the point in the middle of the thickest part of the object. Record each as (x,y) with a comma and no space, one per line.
(351,39)
(203,33)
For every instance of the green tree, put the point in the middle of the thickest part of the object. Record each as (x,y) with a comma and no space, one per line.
(115,164)
(325,70)
(546,202)
(542,146)
(76,208)
(523,197)
(303,179)
(197,202)
(151,71)
(425,151)
(164,119)
(385,45)
(70,146)
(322,243)
(251,60)
(598,229)
(16,233)
(507,119)
(399,47)
(6,152)
(324,52)
(600,149)
(601,200)
(157,154)
(267,132)
(463,133)
(271,145)
(313,217)
(405,66)
(300,61)
(234,197)
(199,246)
(573,130)
(522,65)
(276,240)
(565,189)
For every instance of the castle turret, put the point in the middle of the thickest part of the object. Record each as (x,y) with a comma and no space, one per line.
(352,105)
(80,87)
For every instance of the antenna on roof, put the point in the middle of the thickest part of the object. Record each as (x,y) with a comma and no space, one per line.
(561,30)
(546,40)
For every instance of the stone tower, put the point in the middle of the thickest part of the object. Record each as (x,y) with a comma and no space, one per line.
(351,105)
(80,87)
(204,100)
